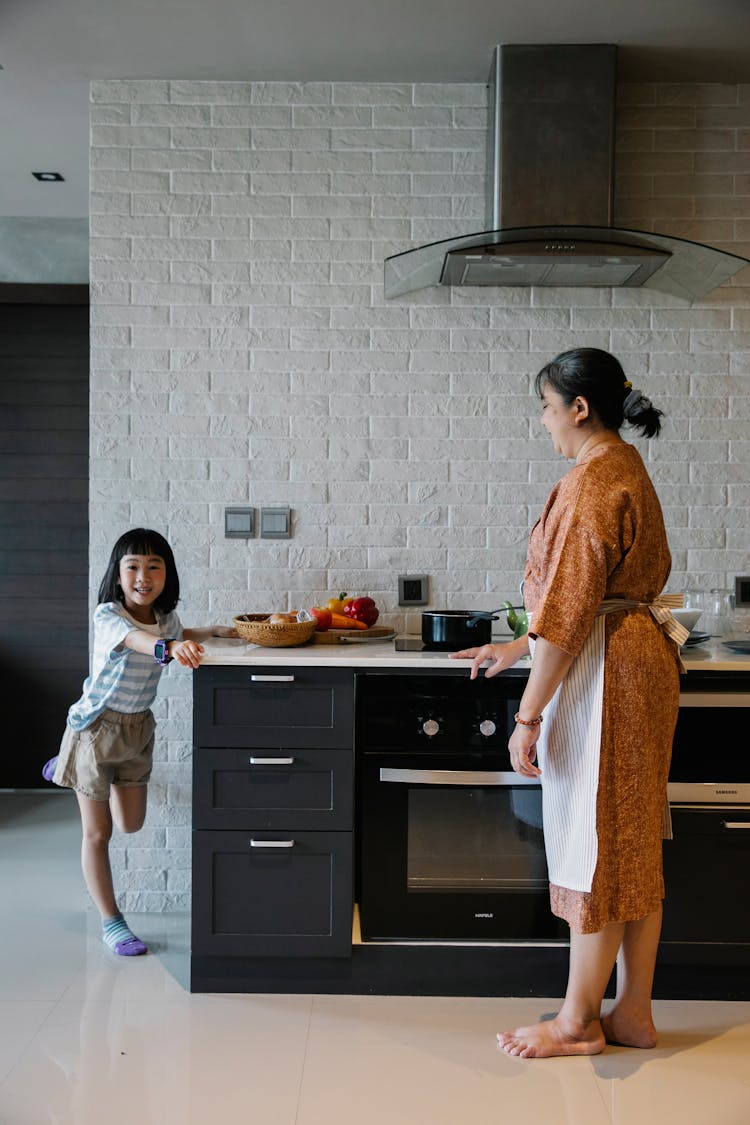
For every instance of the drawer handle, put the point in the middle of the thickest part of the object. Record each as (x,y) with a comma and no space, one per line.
(271,761)
(735,824)
(275,679)
(272,843)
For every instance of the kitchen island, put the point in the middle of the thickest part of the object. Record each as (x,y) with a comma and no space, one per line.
(276,837)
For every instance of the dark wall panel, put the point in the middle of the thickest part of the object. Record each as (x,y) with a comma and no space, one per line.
(43,523)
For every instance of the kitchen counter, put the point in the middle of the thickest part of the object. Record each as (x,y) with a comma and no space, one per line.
(710,657)
(282,921)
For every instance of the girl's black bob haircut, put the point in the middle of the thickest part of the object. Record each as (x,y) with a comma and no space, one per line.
(141,541)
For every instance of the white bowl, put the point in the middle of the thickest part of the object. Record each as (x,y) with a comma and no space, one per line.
(687,617)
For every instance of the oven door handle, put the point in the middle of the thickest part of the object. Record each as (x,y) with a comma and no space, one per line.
(505,778)
(714,699)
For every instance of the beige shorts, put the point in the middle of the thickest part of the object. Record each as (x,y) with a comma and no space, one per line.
(117,749)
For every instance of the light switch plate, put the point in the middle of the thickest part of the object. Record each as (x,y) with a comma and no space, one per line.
(742,591)
(412,589)
(239,523)
(275,523)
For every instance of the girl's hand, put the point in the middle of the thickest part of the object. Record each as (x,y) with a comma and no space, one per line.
(224,631)
(498,657)
(522,747)
(186,653)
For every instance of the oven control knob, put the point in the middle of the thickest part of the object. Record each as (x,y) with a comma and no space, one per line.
(487,727)
(430,728)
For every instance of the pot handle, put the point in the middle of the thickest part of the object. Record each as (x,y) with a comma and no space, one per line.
(488,615)
(482,615)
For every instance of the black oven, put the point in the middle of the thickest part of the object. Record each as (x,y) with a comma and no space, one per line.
(450,844)
(710,759)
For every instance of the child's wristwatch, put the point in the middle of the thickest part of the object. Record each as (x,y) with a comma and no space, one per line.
(161,651)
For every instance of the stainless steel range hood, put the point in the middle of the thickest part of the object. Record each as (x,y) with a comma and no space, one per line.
(550,198)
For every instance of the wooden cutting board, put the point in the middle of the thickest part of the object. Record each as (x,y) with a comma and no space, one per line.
(352,636)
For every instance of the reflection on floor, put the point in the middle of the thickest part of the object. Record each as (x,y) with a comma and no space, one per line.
(87,1038)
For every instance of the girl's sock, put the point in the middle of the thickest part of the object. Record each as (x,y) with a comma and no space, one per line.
(117,934)
(48,769)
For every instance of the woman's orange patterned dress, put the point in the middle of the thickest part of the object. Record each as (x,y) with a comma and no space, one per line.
(601,535)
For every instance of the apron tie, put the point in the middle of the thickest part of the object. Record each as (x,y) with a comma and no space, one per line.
(660,609)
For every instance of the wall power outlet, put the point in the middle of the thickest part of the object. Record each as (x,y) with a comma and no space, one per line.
(412,589)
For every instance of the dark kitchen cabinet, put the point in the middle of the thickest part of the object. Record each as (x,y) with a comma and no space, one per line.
(273,770)
(311,789)
(706,873)
(284,707)
(281,894)
(273,781)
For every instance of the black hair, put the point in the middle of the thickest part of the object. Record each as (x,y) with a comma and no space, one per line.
(141,541)
(598,377)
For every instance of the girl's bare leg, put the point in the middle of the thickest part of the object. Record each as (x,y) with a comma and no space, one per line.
(96,819)
(577,1028)
(630,1021)
(127,804)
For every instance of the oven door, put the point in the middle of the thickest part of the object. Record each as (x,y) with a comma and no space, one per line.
(710,763)
(452,849)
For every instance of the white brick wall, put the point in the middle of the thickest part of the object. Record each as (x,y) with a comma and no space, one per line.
(242,352)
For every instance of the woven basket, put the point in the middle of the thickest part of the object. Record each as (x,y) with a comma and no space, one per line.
(256,627)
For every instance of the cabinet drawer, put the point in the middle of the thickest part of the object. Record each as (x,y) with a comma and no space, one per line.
(273,789)
(706,873)
(273,706)
(292,899)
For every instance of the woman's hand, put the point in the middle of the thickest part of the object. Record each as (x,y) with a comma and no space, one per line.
(186,653)
(522,747)
(497,657)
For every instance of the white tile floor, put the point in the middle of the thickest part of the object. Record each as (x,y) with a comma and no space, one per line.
(90,1039)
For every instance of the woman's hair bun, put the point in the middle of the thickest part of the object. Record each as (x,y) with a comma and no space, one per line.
(639,411)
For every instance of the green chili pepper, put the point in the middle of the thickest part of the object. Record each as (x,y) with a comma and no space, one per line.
(511,615)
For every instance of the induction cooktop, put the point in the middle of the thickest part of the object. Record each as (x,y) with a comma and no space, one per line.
(411,643)
(416,644)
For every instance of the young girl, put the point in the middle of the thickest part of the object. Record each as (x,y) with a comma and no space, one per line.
(106,750)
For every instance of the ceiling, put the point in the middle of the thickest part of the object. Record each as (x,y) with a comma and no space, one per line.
(51,49)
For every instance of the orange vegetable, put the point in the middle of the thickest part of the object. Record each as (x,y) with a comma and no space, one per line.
(338,621)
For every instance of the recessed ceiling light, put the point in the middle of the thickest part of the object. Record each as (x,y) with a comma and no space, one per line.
(48,177)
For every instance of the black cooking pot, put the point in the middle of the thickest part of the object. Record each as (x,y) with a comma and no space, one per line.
(452,629)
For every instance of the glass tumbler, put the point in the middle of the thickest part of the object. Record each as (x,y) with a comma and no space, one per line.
(736,626)
(717,616)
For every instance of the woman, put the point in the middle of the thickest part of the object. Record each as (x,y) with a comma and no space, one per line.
(605,673)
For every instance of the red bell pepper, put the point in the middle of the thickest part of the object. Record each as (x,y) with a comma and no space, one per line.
(362,609)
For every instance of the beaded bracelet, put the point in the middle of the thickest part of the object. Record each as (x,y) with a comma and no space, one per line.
(527,722)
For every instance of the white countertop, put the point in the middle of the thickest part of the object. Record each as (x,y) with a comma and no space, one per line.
(710,657)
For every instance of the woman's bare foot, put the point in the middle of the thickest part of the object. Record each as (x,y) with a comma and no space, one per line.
(550,1038)
(629,1028)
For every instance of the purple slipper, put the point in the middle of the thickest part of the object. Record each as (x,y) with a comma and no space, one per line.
(133,947)
(48,769)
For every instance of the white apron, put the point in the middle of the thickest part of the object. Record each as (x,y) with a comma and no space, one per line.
(569,747)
